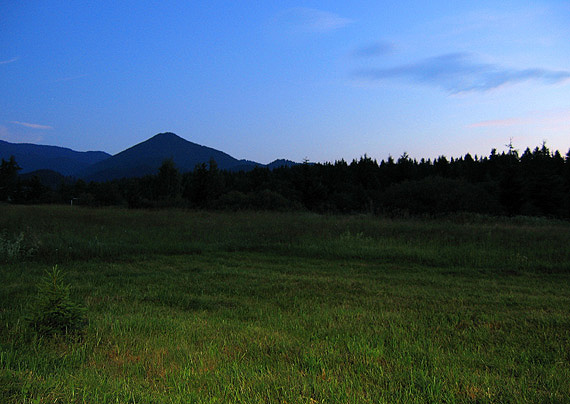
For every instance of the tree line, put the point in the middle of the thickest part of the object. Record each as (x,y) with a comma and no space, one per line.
(534,183)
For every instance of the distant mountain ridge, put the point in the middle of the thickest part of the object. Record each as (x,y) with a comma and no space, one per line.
(33,157)
(139,160)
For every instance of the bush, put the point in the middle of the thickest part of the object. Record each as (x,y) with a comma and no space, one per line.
(53,311)
(16,249)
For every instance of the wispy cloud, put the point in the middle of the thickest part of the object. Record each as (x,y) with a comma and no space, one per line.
(551,120)
(303,19)
(378,48)
(4,62)
(457,72)
(32,125)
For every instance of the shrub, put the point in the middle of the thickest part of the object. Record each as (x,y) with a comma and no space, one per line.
(53,311)
(16,249)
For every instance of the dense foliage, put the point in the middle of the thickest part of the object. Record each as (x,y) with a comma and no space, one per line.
(536,183)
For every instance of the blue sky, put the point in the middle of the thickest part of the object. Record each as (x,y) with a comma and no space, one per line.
(281,79)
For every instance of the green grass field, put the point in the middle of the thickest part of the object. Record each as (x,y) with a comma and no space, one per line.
(206,307)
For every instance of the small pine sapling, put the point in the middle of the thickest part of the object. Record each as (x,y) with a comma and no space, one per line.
(53,311)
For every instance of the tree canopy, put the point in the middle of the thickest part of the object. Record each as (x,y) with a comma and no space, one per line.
(536,182)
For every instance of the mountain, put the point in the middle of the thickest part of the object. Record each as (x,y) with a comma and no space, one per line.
(32,157)
(281,163)
(137,161)
(146,157)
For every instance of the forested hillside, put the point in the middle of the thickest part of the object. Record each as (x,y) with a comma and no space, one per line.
(536,182)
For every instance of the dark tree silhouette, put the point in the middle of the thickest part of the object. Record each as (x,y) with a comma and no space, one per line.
(534,183)
(204,185)
(9,185)
(168,181)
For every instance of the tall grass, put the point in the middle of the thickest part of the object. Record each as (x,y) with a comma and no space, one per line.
(63,234)
(290,307)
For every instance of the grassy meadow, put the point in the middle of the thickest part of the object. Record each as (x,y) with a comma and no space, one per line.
(244,307)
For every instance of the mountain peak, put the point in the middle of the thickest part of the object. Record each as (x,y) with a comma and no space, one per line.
(166,135)
(146,157)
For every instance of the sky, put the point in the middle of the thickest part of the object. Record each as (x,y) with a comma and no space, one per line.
(316,80)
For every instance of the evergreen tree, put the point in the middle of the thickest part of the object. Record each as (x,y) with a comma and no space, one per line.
(9,179)
(544,185)
(204,185)
(567,185)
(168,181)
(510,184)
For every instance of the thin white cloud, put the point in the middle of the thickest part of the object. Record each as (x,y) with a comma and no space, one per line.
(32,125)
(531,128)
(303,19)
(458,72)
(4,62)
(553,119)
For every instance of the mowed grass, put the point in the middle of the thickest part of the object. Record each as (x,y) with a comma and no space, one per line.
(246,307)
